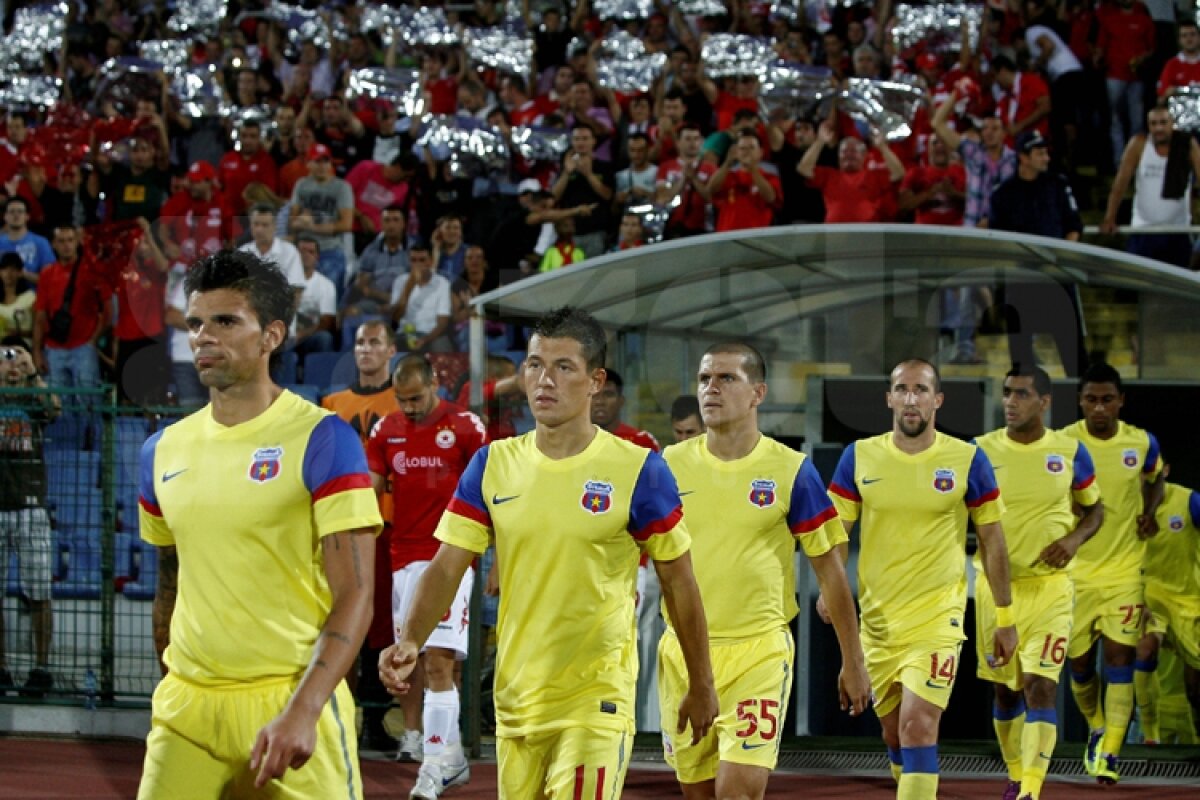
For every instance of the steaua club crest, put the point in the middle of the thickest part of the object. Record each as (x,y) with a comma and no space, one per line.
(762,493)
(444,438)
(1055,463)
(264,466)
(1175,523)
(1129,458)
(943,480)
(597,497)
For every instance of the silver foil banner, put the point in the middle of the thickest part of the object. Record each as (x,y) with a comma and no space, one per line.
(29,92)
(795,89)
(935,28)
(702,8)
(36,31)
(428,26)
(623,9)
(197,18)
(400,85)
(884,105)
(383,19)
(730,54)
(199,94)
(471,150)
(263,115)
(1184,105)
(623,65)
(173,54)
(500,49)
(124,81)
(540,144)
(302,25)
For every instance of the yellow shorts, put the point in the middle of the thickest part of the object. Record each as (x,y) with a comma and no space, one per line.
(927,669)
(753,680)
(201,737)
(563,764)
(1178,621)
(1042,607)
(1114,612)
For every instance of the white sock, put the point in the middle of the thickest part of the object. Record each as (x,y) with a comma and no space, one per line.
(441,723)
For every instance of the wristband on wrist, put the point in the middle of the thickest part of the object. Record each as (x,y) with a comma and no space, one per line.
(1004,617)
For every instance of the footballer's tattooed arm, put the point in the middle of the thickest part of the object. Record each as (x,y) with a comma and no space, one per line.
(164,600)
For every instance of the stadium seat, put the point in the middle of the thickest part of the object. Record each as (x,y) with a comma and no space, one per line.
(12,585)
(69,470)
(143,572)
(306,390)
(79,509)
(284,371)
(319,368)
(79,552)
(67,432)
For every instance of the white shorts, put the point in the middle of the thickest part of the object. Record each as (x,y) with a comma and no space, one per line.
(452,631)
(26,532)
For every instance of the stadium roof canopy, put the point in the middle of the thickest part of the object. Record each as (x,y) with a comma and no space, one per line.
(754,283)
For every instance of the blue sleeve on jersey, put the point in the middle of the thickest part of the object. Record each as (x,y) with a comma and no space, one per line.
(655,507)
(1194,508)
(1085,470)
(147,496)
(981,480)
(468,500)
(334,460)
(810,507)
(843,477)
(1152,453)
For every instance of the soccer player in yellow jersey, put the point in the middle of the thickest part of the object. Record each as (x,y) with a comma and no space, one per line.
(569,506)
(262,505)
(913,489)
(750,500)
(1041,473)
(1109,595)
(1173,599)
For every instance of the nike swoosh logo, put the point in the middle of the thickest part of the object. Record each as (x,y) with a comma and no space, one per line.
(166,476)
(997,466)
(1043,755)
(1045,665)
(748,746)
(497,500)
(869,481)
(681,494)
(933,685)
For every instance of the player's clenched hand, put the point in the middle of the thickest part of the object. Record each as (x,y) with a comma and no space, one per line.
(854,688)
(285,742)
(698,709)
(1004,644)
(396,663)
(1058,553)
(1147,526)
(823,610)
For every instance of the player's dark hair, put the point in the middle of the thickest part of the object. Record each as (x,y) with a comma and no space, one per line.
(752,361)
(686,405)
(413,365)
(1041,380)
(614,377)
(1100,372)
(937,375)
(262,282)
(569,322)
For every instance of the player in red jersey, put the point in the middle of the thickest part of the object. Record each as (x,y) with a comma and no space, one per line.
(606,412)
(422,450)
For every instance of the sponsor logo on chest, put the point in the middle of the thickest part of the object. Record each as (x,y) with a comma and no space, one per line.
(402,463)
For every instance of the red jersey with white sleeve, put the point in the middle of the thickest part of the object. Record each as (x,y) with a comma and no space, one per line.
(423,462)
(640,438)
(1181,71)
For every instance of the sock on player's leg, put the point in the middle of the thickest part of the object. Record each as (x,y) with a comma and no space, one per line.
(441,722)
(896,763)
(1145,690)
(1009,724)
(1037,747)
(919,781)
(1086,689)
(1118,707)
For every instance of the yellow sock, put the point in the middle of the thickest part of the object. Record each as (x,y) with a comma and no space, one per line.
(1118,708)
(1145,689)
(1008,725)
(1087,697)
(919,780)
(896,762)
(1037,747)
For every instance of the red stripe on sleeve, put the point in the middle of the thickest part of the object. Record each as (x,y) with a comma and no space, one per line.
(841,491)
(810,525)
(600,783)
(465,509)
(987,498)
(663,525)
(343,483)
(150,508)
(579,782)
(1081,486)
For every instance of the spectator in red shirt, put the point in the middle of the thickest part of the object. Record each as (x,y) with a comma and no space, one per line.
(195,222)
(935,192)
(291,172)
(1126,40)
(143,366)
(15,133)
(726,103)
(745,190)
(1025,104)
(64,347)
(378,186)
(680,186)
(522,109)
(250,163)
(1183,69)
(851,192)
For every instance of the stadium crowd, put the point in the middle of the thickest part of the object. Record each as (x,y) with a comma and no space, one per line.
(371,218)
